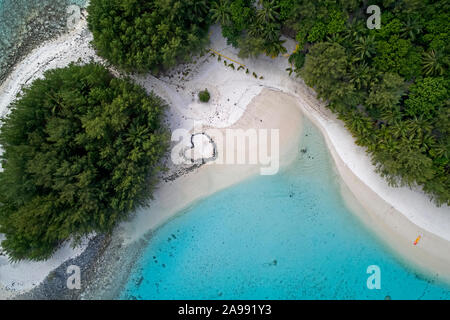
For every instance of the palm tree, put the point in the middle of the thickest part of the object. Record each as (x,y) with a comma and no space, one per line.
(359,124)
(400,129)
(200,8)
(428,142)
(432,63)
(220,12)
(274,48)
(337,38)
(256,30)
(365,47)
(392,115)
(420,125)
(196,10)
(268,13)
(387,143)
(271,32)
(411,28)
(360,75)
(439,150)
(354,28)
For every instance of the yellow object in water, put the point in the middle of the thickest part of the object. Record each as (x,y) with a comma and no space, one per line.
(417,240)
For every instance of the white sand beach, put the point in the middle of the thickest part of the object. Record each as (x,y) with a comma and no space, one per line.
(273,99)
(269,110)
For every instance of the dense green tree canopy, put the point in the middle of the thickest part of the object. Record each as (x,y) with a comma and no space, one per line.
(326,70)
(389,85)
(81,149)
(148,35)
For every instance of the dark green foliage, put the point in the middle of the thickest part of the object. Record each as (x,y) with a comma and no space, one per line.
(426,97)
(399,56)
(376,80)
(148,35)
(204,95)
(390,86)
(81,150)
(253,31)
(326,71)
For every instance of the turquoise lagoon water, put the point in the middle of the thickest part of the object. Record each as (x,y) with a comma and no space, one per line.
(288,236)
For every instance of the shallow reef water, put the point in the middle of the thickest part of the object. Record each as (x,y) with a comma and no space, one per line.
(287,236)
(24,24)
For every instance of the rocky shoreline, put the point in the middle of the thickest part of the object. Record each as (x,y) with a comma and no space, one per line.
(43,23)
(104,265)
(54,287)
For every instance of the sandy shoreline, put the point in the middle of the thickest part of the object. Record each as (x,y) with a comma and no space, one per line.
(269,110)
(389,224)
(398,215)
(17,278)
(280,110)
(431,256)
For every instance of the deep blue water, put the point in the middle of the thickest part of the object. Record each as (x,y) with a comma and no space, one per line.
(288,236)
